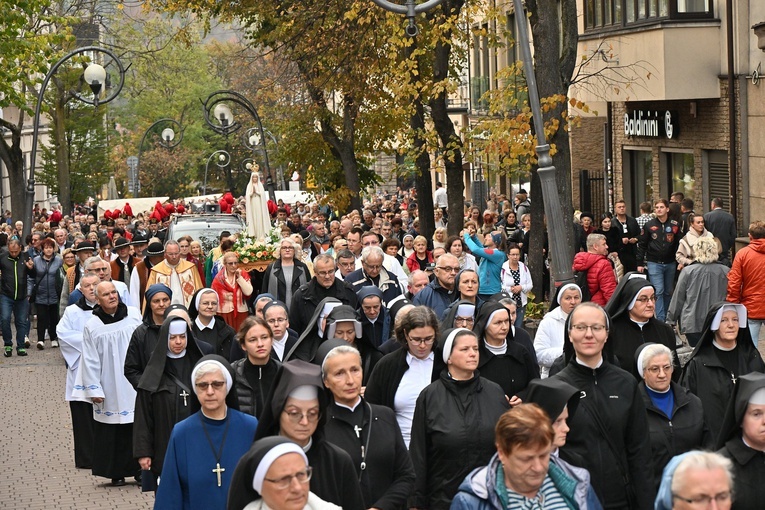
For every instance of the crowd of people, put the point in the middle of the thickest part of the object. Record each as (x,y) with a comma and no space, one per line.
(372,366)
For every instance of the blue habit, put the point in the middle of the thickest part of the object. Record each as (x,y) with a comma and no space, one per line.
(188,481)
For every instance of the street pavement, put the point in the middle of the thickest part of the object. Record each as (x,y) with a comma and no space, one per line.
(37,450)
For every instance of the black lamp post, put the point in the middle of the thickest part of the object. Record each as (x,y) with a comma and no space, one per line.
(221,119)
(95,76)
(167,140)
(222,159)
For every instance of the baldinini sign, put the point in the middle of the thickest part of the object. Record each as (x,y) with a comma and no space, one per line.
(651,124)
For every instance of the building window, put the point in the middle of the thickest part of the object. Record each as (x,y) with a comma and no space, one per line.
(640,167)
(606,14)
(681,173)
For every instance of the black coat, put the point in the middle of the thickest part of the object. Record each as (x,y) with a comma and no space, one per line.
(385,378)
(627,252)
(452,434)
(617,452)
(252,400)
(221,337)
(387,480)
(625,336)
(748,474)
(273,279)
(308,297)
(139,351)
(685,431)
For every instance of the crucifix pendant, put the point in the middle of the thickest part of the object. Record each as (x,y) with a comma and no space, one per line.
(218,470)
(184,395)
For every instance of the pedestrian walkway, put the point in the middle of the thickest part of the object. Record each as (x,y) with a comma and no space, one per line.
(37,453)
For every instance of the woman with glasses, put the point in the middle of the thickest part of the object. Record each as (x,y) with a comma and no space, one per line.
(399,377)
(453,424)
(286,274)
(368,432)
(205,448)
(233,287)
(274,475)
(257,370)
(631,309)
(461,314)
(503,361)
(296,409)
(675,415)
(207,326)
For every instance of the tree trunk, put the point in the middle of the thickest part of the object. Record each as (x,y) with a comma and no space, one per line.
(13,159)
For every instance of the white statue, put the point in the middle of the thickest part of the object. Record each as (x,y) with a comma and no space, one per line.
(258,219)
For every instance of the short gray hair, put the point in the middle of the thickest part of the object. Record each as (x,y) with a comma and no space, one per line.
(92,260)
(323,257)
(172,242)
(371,251)
(337,351)
(652,351)
(207,368)
(592,239)
(702,461)
(414,273)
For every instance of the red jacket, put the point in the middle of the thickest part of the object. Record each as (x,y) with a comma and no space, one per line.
(746,279)
(600,275)
(413,262)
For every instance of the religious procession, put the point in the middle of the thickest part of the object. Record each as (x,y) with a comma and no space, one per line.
(310,360)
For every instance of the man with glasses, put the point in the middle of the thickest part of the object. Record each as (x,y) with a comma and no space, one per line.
(323,285)
(276,315)
(101,268)
(440,293)
(391,265)
(373,273)
(346,263)
(180,275)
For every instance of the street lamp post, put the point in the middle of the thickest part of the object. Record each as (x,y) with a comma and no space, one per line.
(95,76)
(222,160)
(561,259)
(167,140)
(410,10)
(220,118)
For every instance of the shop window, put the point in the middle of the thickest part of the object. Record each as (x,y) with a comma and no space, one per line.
(641,176)
(681,173)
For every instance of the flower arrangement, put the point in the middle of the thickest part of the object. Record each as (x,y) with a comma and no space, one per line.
(251,249)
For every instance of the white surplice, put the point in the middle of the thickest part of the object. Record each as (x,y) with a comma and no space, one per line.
(69,331)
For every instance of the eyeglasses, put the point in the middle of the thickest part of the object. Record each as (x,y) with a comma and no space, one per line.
(274,322)
(296,416)
(285,481)
(645,299)
(450,269)
(464,320)
(325,274)
(288,248)
(595,328)
(376,267)
(215,384)
(655,370)
(427,341)
(704,501)
(231,263)
(98,269)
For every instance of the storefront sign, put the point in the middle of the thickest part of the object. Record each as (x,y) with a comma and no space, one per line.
(651,124)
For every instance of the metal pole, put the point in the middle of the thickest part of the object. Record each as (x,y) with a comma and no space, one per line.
(561,270)
(222,163)
(163,143)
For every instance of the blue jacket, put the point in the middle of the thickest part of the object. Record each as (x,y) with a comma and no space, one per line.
(490,267)
(484,488)
(436,297)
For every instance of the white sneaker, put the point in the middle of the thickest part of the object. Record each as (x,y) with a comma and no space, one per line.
(26,342)
(54,344)
(40,345)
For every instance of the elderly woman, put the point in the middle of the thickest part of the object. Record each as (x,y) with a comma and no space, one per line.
(301,255)
(742,440)
(233,287)
(548,342)
(516,281)
(164,395)
(632,309)
(44,288)
(421,258)
(675,415)
(286,274)
(205,448)
(724,353)
(445,450)
(296,404)
(274,475)
(207,326)
(694,480)
(399,377)
(368,432)
(702,283)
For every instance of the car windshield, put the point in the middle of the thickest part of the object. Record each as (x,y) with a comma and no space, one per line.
(205,230)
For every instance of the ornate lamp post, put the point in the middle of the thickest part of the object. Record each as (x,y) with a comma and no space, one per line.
(167,140)
(220,117)
(561,259)
(410,10)
(222,159)
(95,76)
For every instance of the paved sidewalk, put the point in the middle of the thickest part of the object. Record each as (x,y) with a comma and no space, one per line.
(37,450)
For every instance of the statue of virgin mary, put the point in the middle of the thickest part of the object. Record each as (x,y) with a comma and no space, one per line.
(257,217)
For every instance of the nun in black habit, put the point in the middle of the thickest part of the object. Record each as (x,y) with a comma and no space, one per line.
(633,324)
(164,394)
(520,335)
(211,329)
(742,440)
(334,477)
(501,359)
(346,315)
(313,334)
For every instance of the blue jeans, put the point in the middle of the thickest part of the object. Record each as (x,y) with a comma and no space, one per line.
(20,310)
(520,312)
(754,329)
(662,277)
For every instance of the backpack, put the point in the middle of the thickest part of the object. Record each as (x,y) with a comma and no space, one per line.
(580,278)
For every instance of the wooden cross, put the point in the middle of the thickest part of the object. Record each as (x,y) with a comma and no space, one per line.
(184,395)
(218,470)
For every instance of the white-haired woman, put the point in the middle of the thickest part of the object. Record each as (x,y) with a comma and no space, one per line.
(205,448)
